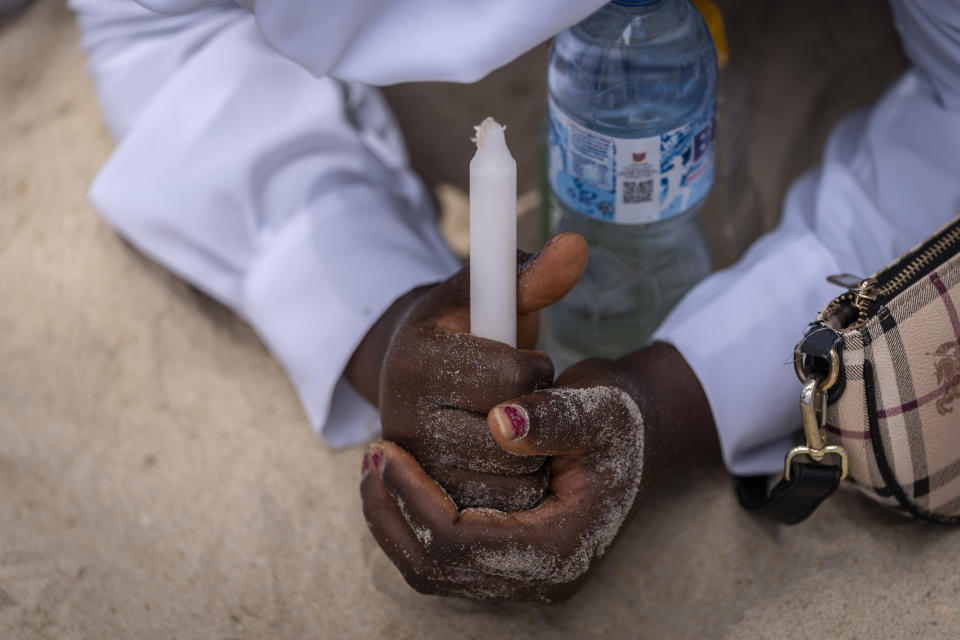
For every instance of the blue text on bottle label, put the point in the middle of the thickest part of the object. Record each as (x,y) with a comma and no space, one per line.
(630,180)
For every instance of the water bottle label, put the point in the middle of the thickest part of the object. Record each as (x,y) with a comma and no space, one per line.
(630,180)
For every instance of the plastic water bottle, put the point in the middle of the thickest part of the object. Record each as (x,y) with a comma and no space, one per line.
(629,161)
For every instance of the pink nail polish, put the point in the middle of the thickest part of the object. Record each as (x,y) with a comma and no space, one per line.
(365,465)
(518,422)
(378,459)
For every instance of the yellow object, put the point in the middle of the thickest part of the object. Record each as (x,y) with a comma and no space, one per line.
(714,18)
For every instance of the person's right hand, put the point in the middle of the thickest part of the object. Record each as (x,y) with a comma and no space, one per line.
(438,382)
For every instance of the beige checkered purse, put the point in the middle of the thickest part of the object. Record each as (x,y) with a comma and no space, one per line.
(881,392)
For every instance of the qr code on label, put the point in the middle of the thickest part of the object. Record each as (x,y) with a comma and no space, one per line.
(635,192)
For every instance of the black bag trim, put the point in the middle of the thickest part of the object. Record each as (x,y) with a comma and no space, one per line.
(817,342)
(789,502)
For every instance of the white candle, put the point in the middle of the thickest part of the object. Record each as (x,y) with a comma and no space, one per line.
(493,237)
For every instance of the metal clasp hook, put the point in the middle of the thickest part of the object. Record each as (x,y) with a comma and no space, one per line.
(813,410)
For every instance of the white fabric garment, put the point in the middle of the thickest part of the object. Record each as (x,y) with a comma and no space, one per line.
(388,41)
(285,196)
(890,177)
(289,197)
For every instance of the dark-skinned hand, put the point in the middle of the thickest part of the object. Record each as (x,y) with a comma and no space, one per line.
(437,382)
(611,431)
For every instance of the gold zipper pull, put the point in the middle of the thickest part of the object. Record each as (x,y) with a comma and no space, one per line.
(864,290)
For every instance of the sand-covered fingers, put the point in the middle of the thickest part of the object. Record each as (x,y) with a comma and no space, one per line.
(437,382)
(460,370)
(595,425)
(409,542)
(548,554)
(428,510)
(389,528)
(584,416)
(493,490)
(541,553)
(436,390)
(449,438)
(405,540)
(592,493)
(549,275)
(423,504)
(594,429)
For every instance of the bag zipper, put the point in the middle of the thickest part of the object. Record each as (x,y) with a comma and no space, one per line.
(866,295)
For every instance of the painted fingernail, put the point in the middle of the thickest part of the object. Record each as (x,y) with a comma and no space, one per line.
(549,242)
(378,458)
(513,421)
(365,466)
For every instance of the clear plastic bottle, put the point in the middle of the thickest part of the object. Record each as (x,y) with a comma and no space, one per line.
(629,161)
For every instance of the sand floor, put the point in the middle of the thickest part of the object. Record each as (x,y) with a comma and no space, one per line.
(158,478)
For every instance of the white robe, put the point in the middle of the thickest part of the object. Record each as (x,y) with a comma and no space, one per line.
(283,188)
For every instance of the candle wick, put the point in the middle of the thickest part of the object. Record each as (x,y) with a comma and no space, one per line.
(482,128)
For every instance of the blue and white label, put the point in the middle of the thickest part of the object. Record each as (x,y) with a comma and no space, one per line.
(630,180)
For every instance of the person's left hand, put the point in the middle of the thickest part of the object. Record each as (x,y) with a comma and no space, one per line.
(593,429)
(611,429)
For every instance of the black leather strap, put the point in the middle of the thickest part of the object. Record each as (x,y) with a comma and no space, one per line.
(790,502)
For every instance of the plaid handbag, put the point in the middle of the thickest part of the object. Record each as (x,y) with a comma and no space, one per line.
(881,392)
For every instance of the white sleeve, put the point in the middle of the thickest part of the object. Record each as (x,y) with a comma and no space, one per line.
(388,41)
(285,196)
(890,176)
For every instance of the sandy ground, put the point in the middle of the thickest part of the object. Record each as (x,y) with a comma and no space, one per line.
(158,478)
